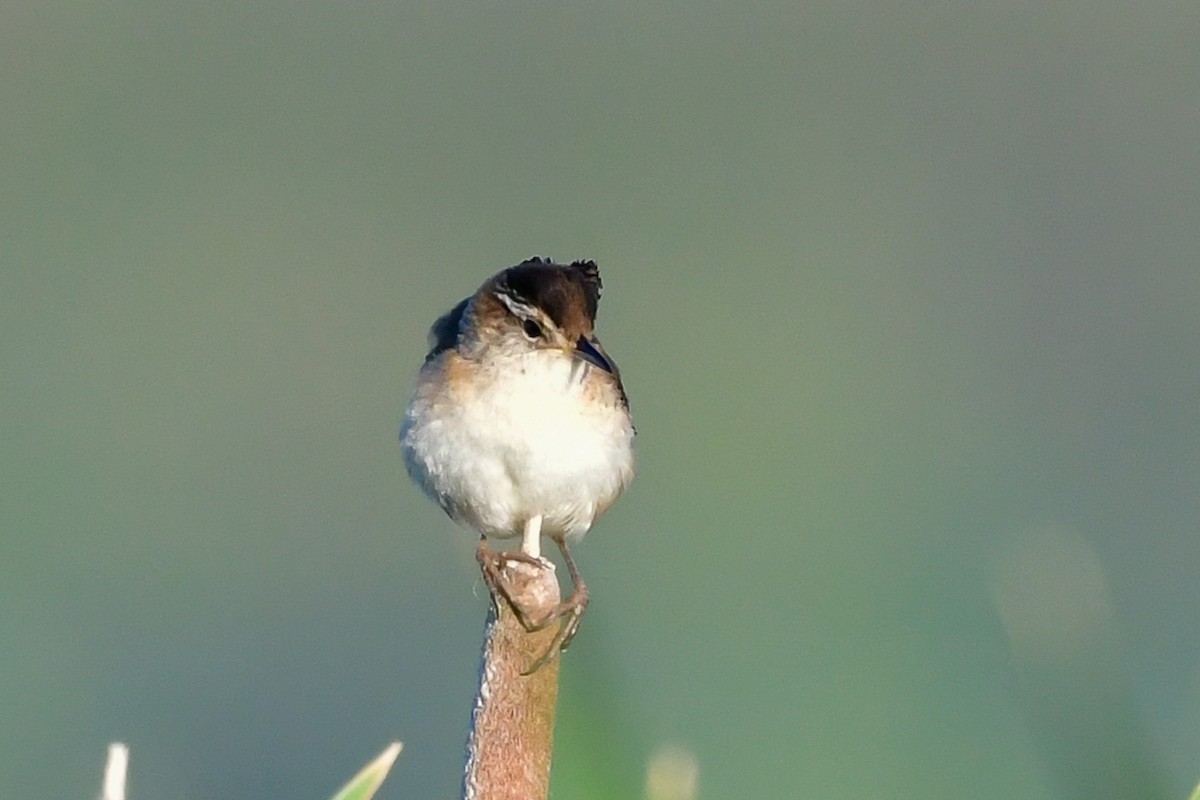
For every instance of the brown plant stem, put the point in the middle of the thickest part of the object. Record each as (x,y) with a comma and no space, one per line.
(512,726)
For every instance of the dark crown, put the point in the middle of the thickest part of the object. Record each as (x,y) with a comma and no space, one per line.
(554,288)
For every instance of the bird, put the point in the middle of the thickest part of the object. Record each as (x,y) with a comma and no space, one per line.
(519,426)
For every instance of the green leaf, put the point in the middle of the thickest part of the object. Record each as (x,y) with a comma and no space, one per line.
(364,785)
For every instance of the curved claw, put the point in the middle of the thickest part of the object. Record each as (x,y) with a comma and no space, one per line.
(570,612)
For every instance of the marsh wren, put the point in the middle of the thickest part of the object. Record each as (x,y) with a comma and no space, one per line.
(519,425)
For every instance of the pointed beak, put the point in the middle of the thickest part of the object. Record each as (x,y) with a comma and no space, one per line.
(589,350)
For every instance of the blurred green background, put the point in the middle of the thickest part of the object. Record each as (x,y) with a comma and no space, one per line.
(906,298)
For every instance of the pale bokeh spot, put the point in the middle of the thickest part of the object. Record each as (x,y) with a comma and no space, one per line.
(672,774)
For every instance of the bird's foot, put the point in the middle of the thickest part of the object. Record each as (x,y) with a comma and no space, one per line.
(568,612)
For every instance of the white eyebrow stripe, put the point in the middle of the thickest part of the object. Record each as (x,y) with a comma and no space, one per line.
(514,305)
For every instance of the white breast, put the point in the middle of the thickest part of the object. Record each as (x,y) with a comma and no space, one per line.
(530,439)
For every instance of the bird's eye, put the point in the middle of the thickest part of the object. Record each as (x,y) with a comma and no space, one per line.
(531,328)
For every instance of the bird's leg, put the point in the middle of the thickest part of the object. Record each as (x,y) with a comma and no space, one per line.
(576,603)
(531,539)
(570,611)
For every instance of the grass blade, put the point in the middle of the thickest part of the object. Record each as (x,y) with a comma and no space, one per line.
(364,785)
